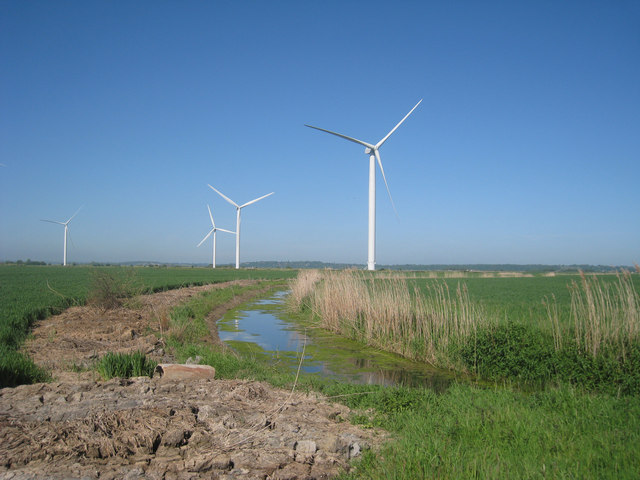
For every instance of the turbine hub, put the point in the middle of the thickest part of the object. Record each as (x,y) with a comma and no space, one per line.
(368,151)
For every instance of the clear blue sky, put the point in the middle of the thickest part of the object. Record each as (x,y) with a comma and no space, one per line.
(526,148)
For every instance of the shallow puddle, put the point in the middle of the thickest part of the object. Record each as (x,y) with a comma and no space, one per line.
(264,328)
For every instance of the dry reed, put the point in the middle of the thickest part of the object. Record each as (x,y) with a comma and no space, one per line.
(384,312)
(605,314)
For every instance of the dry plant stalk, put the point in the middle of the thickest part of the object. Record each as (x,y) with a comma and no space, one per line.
(605,314)
(384,312)
(301,287)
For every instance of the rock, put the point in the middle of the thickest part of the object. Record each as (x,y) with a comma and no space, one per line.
(305,446)
(205,412)
(174,438)
(293,471)
(347,445)
(169,371)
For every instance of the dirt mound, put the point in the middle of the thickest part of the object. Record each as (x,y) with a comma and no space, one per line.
(73,340)
(157,428)
(147,428)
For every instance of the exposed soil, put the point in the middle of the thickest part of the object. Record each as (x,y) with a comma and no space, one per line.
(80,427)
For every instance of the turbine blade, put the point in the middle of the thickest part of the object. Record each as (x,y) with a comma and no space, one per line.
(257,199)
(206,236)
(74,215)
(385,181)
(70,239)
(223,230)
(51,221)
(354,140)
(213,224)
(399,123)
(225,197)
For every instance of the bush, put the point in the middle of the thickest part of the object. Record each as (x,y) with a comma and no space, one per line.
(510,350)
(527,354)
(110,288)
(125,365)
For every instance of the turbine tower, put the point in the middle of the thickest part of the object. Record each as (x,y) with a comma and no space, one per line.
(66,233)
(213,230)
(374,154)
(238,209)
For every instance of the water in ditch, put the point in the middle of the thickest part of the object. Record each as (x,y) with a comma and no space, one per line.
(264,328)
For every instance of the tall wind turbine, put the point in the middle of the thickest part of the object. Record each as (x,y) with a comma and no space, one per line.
(213,230)
(66,233)
(238,209)
(374,154)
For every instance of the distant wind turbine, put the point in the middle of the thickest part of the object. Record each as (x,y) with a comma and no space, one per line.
(66,233)
(374,154)
(213,230)
(238,209)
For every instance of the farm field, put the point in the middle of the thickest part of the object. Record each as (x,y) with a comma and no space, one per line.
(30,293)
(564,431)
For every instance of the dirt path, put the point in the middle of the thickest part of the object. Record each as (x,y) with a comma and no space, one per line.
(79,427)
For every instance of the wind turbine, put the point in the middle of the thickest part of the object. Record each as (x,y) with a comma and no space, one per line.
(66,233)
(213,230)
(374,154)
(238,209)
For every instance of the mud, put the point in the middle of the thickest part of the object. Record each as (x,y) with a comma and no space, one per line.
(80,427)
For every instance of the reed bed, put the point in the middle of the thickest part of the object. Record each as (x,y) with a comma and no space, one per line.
(604,315)
(388,314)
(594,343)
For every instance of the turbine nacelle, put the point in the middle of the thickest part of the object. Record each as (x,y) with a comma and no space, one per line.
(368,151)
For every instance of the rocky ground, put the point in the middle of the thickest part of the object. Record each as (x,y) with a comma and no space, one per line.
(80,427)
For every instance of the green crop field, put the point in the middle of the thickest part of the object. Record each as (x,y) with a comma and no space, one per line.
(522,298)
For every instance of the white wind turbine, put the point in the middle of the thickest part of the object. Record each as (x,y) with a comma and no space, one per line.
(66,233)
(213,230)
(238,209)
(374,154)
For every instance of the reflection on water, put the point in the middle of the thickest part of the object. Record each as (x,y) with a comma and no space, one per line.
(264,324)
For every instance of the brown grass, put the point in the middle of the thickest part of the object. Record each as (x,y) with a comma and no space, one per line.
(383,312)
(604,314)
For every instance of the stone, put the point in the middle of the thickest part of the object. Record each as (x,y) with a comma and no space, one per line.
(305,447)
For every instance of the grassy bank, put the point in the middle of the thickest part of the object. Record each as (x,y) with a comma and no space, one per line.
(32,293)
(590,337)
(465,432)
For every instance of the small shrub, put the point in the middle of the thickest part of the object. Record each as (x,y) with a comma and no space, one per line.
(109,288)
(510,350)
(125,365)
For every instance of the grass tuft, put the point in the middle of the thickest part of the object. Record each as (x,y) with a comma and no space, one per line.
(125,365)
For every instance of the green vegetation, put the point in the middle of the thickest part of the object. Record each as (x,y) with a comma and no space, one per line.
(464,432)
(469,432)
(29,293)
(587,334)
(125,365)
(561,431)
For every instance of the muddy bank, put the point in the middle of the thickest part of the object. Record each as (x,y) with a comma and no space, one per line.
(79,427)
(73,340)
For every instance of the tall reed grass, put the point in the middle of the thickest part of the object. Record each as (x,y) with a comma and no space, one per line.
(598,348)
(387,314)
(604,316)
